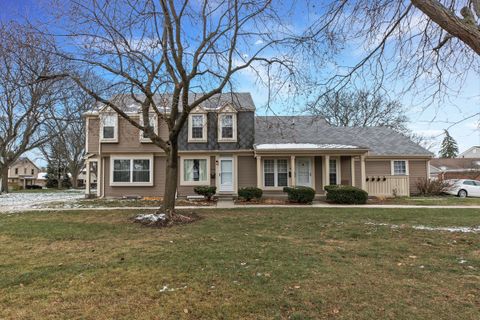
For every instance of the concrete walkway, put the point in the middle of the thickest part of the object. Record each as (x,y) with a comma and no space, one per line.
(224,204)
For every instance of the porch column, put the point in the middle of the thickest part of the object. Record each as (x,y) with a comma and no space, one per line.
(292,170)
(326,170)
(363,174)
(259,172)
(87,178)
(352,169)
(100,176)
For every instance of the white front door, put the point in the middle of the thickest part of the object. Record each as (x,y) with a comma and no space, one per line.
(303,172)
(226,174)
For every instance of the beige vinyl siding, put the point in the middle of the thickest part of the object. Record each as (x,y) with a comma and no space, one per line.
(318,175)
(247,171)
(93,134)
(345,170)
(152,191)
(129,139)
(377,168)
(417,171)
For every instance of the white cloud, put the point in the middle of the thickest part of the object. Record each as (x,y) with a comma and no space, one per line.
(259,42)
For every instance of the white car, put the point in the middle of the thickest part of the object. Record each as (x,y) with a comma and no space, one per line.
(464,188)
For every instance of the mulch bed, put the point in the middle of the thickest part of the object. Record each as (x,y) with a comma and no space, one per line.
(268,202)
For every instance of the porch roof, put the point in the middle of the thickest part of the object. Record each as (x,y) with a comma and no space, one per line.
(309,147)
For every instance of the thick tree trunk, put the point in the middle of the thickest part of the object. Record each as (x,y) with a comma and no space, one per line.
(171,180)
(4,177)
(468,32)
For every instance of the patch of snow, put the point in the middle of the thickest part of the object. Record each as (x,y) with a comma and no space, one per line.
(462,261)
(449,229)
(19,201)
(150,217)
(427,228)
(301,146)
(167,289)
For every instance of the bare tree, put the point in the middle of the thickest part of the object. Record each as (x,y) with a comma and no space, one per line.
(66,149)
(26,106)
(149,48)
(361,109)
(426,48)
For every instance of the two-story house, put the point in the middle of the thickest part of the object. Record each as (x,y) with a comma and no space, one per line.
(23,172)
(224,144)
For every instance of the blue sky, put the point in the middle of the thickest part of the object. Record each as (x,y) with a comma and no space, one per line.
(428,121)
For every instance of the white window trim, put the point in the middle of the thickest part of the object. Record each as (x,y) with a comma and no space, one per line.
(339,168)
(275,174)
(392,168)
(131,158)
(155,128)
(194,183)
(204,134)
(87,128)
(234,127)
(115,130)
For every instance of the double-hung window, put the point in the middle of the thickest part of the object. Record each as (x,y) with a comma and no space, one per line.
(195,171)
(227,127)
(399,167)
(152,118)
(333,174)
(275,172)
(132,171)
(197,128)
(109,127)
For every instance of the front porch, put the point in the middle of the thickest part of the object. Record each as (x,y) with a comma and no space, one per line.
(318,167)
(274,172)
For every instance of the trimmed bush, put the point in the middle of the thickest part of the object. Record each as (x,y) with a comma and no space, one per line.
(206,191)
(249,193)
(346,195)
(300,194)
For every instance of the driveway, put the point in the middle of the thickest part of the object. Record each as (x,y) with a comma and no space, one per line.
(19,201)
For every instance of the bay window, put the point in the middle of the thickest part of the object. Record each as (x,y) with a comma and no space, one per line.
(275,172)
(131,171)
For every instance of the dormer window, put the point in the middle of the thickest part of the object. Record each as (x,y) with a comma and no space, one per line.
(109,127)
(197,127)
(227,127)
(153,123)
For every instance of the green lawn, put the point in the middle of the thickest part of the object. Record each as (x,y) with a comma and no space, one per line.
(433,201)
(276,263)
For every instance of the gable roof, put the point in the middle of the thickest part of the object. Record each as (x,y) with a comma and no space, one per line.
(315,130)
(22,160)
(461,155)
(241,101)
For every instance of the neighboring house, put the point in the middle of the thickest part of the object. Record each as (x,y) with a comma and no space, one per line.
(82,178)
(23,172)
(224,144)
(455,168)
(473,152)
